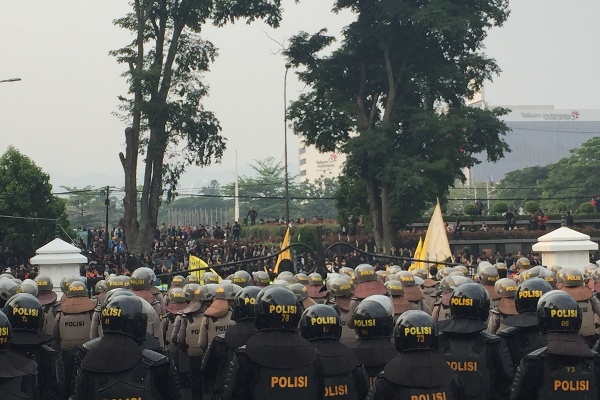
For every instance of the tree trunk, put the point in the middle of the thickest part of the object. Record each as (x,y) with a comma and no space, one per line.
(375,202)
(386,218)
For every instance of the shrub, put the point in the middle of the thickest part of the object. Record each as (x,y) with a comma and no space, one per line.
(531,206)
(587,208)
(562,207)
(470,209)
(500,207)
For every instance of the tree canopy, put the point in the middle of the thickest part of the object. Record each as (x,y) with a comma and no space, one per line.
(168,126)
(392,97)
(30,212)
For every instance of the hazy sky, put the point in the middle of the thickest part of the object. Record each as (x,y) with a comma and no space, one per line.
(60,113)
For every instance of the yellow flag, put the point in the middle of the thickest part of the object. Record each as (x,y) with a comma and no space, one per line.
(417,255)
(436,246)
(197,262)
(286,255)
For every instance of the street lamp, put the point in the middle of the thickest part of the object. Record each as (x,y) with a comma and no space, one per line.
(10,80)
(285,156)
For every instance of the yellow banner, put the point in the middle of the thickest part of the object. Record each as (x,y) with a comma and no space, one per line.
(286,255)
(197,262)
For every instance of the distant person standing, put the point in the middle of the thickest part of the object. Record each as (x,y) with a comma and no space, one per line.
(236,231)
(252,214)
(542,220)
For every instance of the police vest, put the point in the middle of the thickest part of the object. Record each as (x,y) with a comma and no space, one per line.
(218,326)
(19,388)
(443,312)
(136,383)
(469,358)
(435,393)
(576,381)
(348,334)
(298,383)
(340,387)
(192,334)
(50,312)
(74,330)
(429,296)
(521,342)
(588,324)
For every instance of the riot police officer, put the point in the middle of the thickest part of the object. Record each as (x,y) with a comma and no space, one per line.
(316,289)
(367,284)
(396,292)
(241,278)
(341,290)
(416,342)
(261,279)
(276,363)
(506,288)
(412,292)
(142,374)
(441,309)
(140,284)
(480,359)
(8,288)
(566,368)
(301,292)
(217,317)
(18,378)
(488,277)
(48,299)
(522,335)
(25,314)
(572,283)
(373,322)
(72,325)
(177,302)
(220,351)
(345,377)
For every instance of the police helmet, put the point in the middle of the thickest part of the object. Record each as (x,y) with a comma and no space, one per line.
(451,282)
(140,280)
(179,281)
(277,308)
(528,294)
(101,286)
(241,278)
(28,286)
(320,322)
(177,295)
(315,279)
(261,278)
(6,275)
(463,269)
(506,287)
(395,288)
(444,272)
(502,269)
(126,281)
(191,278)
(365,273)
(286,276)
(531,273)
(548,276)
(301,278)
(488,276)
(557,311)
(25,313)
(299,290)
(152,274)
(483,265)
(406,278)
(415,330)
(117,292)
(523,263)
(66,282)
(125,315)
(225,291)
(470,301)
(588,270)
(347,271)
(192,292)
(382,275)
(341,286)
(113,282)
(244,302)
(8,288)
(572,277)
(77,289)
(374,317)
(44,283)
(420,272)
(5,332)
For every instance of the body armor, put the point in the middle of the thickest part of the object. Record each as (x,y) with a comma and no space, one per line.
(191,334)
(588,324)
(522,341)
(211,327)
(73,329)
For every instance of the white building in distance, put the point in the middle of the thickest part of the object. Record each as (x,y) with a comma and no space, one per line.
(315,165)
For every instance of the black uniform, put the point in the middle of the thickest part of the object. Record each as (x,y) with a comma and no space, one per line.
(522,336)
(18,377)
(220,353)
(117,368)
(374,354)
(417,375)
(275,365)
(566,369)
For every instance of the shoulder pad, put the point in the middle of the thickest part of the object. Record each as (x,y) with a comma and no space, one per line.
(45,349)
(220,337)
(489,338)
(510,331)
(537,354)
(153,358)
(495,311)
(89,345)
(241,349)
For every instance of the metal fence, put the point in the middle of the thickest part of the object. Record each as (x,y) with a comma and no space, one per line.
(199,216)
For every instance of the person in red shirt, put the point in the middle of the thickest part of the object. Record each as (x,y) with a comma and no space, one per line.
(542,219)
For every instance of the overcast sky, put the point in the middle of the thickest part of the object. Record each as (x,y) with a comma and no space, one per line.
(60,113)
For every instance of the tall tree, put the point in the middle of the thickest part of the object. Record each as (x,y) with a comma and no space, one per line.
(165,63)
(521,185)
(30,212)
(392,97)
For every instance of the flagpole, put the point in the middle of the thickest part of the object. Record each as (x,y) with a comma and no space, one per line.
(236,206)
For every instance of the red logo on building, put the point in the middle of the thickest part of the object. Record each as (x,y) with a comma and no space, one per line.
(333,157)
(575,115)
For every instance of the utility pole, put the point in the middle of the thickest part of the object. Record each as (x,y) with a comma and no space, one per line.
(285,154)
(107,203)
